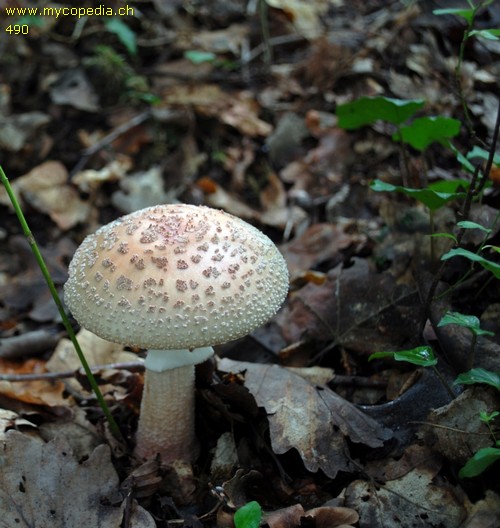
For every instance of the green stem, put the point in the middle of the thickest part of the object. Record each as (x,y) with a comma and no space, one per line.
(50,283)
(458,74)
(406,173)
(432,227)
(444,382)
(472,352)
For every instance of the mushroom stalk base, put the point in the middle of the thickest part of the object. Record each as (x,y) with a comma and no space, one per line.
(166,422)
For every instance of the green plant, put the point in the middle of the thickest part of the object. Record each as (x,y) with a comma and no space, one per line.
(117,76)
(50,283)
(420,133)
(486,456)
(434,196)
(479,375)
(248,516)
(422,356)
(201,57)
(124,34)
(471,322)
(470,17)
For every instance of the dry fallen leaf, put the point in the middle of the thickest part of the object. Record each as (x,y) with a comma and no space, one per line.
(240,109)
(227,40)
(91,179)
(318,244)
(46,189)
(44,484)
(141,189)
(97,351)
(16,130)
(455,430)
(73,88)
(38,392)
(356,307)
(412,496)
(324,517)
(306,16)
(313,420)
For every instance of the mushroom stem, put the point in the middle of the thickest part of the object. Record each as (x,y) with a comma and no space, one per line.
(166,423)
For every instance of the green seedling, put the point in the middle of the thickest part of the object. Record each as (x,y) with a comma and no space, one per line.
(50,283)
(424,131)
(434,196)
(248,516)
(481,153)
(32,21)
(468,14)
(464,224)
(367,110)
(199,57)
(492,34)
(489,34)
(422,356)
(479,375)
(480,461)
(490,265)
(124,34)
(486,456)
(472,323)
(119,76)
(419,134)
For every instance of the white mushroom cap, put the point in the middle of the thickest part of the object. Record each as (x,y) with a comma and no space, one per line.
(175,276)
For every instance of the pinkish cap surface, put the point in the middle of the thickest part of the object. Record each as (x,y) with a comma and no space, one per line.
(175,276)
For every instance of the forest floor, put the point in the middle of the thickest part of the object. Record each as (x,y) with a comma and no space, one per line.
(238,105)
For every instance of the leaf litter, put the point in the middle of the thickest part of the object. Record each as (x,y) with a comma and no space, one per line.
(247,124)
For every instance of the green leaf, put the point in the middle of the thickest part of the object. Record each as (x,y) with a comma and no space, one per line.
(479,462)
(424,131)
(478,152)
(468,14)
(444,235)
(367,110)
(32,21)
(494,267)
(248,516)
(434,196)
(479,375)
(422,356)
(490,34)
(471,322)
(488,417)
(199,57)
(467,224)
(125,35)
(464,161)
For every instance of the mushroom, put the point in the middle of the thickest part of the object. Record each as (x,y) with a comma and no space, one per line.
(175,279)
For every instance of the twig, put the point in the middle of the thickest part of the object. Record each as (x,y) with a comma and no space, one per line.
(134,366)
(106,140)
(273,42)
